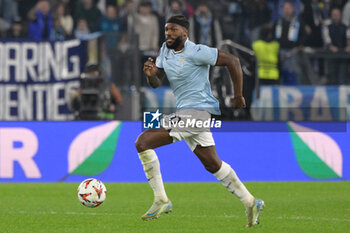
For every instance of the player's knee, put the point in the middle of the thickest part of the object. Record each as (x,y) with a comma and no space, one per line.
(212,168)
(141,144)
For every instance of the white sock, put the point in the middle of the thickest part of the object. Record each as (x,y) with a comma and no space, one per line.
(230,180)
(151,167)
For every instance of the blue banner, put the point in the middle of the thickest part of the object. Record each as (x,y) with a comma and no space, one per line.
(277,103)
(35,77)
(302,103)
(72,151)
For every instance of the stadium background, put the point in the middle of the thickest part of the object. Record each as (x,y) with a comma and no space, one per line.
(295,127)
(39,72)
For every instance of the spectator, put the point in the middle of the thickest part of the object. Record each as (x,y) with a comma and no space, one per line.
(346,14)
(312,16)
(82,30)
(205,29)
(8,15)
(161,24)
(69,6)
(16,31)
(237,11)
(111,25)
(146,26)
(175,8)
(313,19)
(188,9)
(259,14)
(9,10)
(57,32)
(65,20)
(41,22)
(4,26)
(289,32)
(288,28)
(87,9)
(279,5)
(158,6)
(111,22)
(127,16)
(266,50)
(337,38)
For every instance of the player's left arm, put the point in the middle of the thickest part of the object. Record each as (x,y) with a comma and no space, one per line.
(234,66)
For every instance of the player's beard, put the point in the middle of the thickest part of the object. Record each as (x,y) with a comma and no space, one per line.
(175,43)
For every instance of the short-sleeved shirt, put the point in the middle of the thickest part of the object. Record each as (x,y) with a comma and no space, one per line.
(188,75)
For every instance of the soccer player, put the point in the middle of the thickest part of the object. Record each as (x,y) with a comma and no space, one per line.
(187,67)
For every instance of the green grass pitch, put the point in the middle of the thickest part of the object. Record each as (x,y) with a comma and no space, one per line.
(294,207)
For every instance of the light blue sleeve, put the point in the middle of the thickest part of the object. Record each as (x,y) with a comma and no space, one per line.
(160,58)
(204,55)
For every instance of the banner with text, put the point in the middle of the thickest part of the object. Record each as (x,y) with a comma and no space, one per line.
(302,103)
(35,77)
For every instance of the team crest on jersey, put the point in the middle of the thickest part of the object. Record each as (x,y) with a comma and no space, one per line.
(182,61)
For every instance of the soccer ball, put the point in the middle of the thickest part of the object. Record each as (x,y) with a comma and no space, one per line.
(91,192)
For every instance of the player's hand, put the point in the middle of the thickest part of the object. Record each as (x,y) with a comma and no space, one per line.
(149,68)
(238,102)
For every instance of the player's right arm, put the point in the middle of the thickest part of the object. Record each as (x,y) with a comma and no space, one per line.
(234,67)
(154,74)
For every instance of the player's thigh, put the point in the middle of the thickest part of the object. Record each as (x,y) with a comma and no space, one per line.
(152,138)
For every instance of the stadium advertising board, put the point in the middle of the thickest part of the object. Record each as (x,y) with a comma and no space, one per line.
(35,77)
(73,151)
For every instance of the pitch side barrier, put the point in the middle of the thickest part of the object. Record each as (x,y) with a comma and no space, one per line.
(72,151)
(276,103)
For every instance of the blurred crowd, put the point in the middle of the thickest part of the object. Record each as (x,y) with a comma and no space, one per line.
(277,29)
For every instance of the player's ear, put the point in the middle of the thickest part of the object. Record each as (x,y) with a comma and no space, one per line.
(185,32)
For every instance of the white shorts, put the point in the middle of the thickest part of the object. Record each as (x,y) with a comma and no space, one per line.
(191,133)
